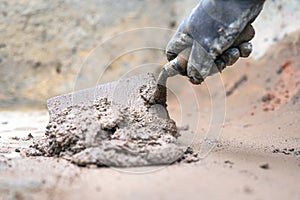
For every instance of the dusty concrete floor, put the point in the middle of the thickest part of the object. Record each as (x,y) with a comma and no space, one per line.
(257,156)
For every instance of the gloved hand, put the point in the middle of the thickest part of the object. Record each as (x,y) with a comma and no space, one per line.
(218,33)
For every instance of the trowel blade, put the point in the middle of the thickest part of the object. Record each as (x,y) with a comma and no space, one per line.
(124,92)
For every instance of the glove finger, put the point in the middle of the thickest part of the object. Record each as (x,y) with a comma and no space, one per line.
(220,64)
(230,56)
(246,35)
(178,43)
(245,49)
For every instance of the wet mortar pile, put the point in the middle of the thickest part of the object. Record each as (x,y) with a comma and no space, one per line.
(110,131)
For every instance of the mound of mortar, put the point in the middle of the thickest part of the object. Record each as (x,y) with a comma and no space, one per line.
(115,124)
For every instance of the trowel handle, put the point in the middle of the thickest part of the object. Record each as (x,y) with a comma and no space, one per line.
(174,67)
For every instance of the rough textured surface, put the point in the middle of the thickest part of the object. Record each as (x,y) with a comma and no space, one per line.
(231,171)
(121,131)
(45,42)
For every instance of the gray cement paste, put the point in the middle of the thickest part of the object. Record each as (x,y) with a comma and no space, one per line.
(126,130)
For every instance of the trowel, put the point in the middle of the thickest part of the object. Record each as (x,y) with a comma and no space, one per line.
(172,68)
(124,92)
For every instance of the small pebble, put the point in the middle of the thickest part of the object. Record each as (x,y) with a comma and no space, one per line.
(15,138)
(292,150)
(228,162)
(276,151)
(265,166)
(29,136)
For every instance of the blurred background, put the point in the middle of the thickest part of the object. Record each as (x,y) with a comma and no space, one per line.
(52,47)
(48,47)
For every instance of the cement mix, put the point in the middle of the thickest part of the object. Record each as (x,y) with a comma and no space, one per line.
(112,130)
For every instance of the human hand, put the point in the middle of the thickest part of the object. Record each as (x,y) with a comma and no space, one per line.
(218,32)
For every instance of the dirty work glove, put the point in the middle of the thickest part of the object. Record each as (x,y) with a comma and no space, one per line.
(218,33)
